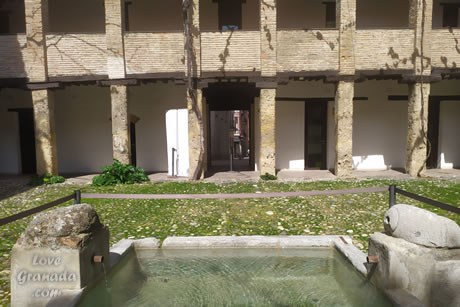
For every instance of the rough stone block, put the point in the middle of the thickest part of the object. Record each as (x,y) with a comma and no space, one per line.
(55,254)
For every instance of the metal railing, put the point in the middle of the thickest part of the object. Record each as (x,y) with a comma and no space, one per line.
(77,196)
(394,190)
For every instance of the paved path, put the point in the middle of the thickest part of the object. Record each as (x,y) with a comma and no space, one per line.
(233,196)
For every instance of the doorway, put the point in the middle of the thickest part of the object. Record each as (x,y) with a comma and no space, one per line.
(26,140)
(132,138)
(316,134)
(433,132)
(230,128)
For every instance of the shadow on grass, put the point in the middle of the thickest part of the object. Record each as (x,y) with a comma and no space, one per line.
(11,185)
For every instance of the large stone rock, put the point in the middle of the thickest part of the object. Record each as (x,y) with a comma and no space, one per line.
(55,254)
(61,227)
(421,227)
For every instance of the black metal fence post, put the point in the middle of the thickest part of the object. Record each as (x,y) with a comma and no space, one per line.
(392,190)
(77,197)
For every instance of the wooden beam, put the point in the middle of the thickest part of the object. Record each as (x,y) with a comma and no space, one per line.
(316,99)
(434,97)
(42,86)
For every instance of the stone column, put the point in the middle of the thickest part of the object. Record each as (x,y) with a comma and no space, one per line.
(36,14)
(120,124)
(267,131)
(420,19)
(346,20)
(206,133)
(268,37)
(417,129)
(344,128)
(194,131)
(194,24)
(114,11)
(45,132)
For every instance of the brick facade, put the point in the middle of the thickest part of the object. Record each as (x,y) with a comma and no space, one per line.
(266,57)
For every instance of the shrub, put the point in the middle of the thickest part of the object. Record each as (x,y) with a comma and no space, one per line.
(268,176)
(119,173)
(46,179)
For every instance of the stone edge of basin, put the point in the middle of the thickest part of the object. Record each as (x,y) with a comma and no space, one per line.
(342,243)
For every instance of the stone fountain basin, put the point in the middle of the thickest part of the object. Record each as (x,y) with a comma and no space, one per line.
(246,270)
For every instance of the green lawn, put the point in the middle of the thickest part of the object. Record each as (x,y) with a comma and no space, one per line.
(357,215)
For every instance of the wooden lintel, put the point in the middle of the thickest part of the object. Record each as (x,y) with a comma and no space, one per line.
(315,99)
(420,79)
(266,84)
(82,78)
(20,110)
(337,78)
(432,97)
(229,74)
(43,86)
(156,76)
(118,82)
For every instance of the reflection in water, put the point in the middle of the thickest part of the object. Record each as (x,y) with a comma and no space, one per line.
(236,277)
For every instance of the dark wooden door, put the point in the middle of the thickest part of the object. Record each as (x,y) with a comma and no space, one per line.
(132,136)
(27,141)
(316,134)
(433,133)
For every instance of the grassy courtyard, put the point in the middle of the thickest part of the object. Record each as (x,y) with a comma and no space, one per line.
(357,215)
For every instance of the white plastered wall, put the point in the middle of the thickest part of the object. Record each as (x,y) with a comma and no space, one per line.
(301,14)
(83,129)
(438,12)
(16,15)
(10,152)
(449,124)
(155,15)
(150,103)
(290,123)
(209,15)
(82,16)
(382,14)
(379,126)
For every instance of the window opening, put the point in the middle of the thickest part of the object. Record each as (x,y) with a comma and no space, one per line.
(450,15)
(127,5)
(330,14)
(230,14)
(4,22)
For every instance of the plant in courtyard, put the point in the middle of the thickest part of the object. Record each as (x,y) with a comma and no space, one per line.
(119,173)
(46,179)
(268,176)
